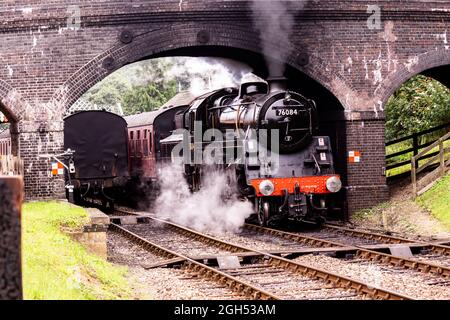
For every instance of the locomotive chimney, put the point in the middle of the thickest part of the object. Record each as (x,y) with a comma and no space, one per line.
(277,84)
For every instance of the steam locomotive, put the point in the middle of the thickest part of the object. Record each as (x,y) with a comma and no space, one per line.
(277,161)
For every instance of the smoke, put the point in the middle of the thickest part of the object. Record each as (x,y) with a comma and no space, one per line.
(201,75)
(275,21)
(207,210)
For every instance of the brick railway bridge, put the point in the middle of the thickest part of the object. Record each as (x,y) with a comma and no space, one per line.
(347,55)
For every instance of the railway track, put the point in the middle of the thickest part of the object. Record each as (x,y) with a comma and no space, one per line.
(291,280)
(292,245)
(239,286)
(435,260)
(373,236)
(364,253)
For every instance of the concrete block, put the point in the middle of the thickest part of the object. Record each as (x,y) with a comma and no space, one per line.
(96,217)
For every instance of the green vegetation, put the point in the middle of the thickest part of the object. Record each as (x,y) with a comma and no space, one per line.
(437,200)
(406,156)
(3,126)
(370,213)
(55,266)
(145,85)
(421,103)
(138,87)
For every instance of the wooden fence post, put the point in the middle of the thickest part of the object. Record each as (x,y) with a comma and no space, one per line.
(442,157)
(413,177)
(11,197)
(416,148)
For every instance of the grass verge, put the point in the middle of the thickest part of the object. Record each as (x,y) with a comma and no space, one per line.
(437,200)
(57,268)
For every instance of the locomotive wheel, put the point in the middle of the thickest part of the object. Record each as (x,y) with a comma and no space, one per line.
(263,213)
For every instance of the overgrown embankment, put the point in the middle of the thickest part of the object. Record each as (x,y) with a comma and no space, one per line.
(429,215)
(437,200)
(55,266)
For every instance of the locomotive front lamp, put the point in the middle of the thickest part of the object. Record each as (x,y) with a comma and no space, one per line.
(334,184)
(266,187)
(287,97)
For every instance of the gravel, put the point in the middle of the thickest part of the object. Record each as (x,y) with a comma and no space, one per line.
(434,258)
(161,283)
(122,251)
(173,284)
(408,282)
(262,242)
(170,239)
(339,237)
(292,286)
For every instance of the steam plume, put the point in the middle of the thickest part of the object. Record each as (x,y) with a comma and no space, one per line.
(275,20)
(207,74)
(206,210)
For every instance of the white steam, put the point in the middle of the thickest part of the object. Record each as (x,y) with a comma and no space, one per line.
(206,210)
(275,21)
(208,74)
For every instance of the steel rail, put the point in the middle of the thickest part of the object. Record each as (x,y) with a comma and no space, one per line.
(312,272)
(437,248)
(362,252)
(200,268)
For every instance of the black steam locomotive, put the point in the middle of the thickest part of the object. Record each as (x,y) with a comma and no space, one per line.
(277,161)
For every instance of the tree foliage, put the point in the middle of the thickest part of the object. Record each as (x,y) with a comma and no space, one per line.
(148,97)
(138,87)
(146,85)
(421,103)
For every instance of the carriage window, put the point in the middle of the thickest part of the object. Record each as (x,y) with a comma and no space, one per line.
(131,135)
(145,134)
(132,148)
(138,148)
(138,134)
(150,139)
(145,142)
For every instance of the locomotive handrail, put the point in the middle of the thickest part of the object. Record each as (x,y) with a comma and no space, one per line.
(231,105)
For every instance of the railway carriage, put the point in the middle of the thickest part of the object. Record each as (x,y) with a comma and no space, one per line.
(99,165)
(146,153)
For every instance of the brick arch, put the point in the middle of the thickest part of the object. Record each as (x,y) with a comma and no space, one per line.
(13,107)
(158,42)
(10,102)
(426,61)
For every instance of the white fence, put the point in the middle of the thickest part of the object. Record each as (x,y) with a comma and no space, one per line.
(10,165)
